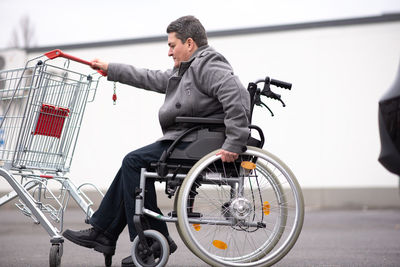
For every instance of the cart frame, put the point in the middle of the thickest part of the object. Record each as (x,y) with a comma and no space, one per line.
(42,107)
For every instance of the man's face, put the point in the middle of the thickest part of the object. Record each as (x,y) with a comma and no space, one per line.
(179,51)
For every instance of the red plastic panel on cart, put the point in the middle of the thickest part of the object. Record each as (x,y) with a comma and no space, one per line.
(51,121)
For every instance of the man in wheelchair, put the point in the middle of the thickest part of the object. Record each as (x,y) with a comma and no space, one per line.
(200,84)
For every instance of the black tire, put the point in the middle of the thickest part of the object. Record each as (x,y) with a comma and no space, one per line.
(154,240)
(55,255)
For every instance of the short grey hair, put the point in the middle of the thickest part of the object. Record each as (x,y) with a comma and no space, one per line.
(189,27)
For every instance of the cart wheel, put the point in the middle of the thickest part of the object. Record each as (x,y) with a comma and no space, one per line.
(107,260)
(56,252)
(159,247)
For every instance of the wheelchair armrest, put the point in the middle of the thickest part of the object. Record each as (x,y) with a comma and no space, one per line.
(200,120)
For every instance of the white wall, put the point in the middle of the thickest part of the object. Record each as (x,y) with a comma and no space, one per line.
(328,133)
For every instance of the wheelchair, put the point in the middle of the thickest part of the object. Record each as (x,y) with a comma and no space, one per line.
(245,213)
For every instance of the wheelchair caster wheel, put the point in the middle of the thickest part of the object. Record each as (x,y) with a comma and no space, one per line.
(107,260)
(159,250)
(56,252)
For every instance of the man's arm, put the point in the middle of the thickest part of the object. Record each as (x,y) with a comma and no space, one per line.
(154,80)
(218,80)
(234,98)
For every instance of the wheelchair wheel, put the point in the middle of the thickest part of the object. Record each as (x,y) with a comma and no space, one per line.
(159,247)
(247,213)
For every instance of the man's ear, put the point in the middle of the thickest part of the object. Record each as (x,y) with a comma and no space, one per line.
(191,43)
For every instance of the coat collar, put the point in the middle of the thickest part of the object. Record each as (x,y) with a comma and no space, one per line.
(186,64)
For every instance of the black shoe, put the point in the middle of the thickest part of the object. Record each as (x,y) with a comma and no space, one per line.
(128,262)
(91,238)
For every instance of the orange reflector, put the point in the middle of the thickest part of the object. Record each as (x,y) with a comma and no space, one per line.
(266,208)
(248,165)
(196,227)
(220,244)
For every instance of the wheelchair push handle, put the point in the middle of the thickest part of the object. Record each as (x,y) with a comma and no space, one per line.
(256,93)
(281,84)
(268,81)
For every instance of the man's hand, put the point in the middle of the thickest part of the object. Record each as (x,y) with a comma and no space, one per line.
(99,65)
(227,156)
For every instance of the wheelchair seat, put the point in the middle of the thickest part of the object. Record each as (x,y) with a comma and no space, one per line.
(210,137)
(207,140)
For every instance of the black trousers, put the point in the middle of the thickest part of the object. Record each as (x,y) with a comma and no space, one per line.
(118,205)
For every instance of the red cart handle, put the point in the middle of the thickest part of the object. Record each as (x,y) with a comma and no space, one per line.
(58,53)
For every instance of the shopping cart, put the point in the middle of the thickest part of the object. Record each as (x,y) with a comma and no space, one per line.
(41,111)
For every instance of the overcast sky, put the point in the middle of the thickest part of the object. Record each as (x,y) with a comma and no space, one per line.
(79,21)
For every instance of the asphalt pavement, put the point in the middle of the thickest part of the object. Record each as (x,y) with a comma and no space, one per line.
(329,238)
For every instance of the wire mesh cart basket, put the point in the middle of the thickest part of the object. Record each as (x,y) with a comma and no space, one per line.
(41,111)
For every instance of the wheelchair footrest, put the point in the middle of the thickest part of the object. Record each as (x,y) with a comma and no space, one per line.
(190,214)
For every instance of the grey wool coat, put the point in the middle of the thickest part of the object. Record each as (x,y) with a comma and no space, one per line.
(203,86)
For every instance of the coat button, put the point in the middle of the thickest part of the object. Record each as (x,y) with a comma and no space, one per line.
(244,148)
(178,105)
